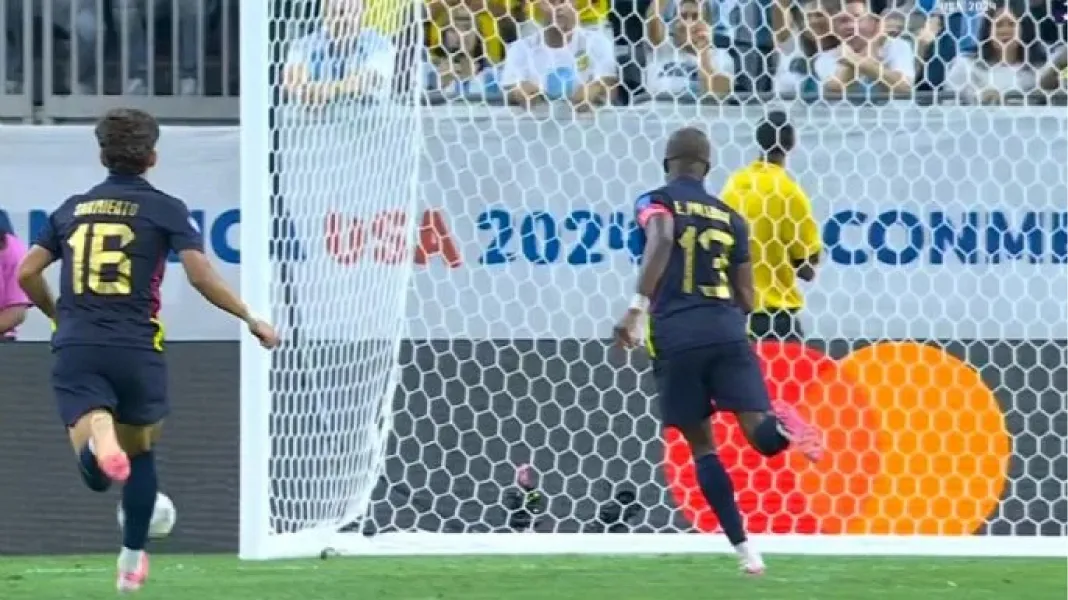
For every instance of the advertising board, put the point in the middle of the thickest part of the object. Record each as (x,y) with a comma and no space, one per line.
(967,244)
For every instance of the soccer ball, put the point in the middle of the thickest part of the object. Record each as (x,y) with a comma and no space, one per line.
(164,516)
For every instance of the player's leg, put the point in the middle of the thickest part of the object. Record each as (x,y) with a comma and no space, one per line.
(685,405)
(100,458)
(86,402)
(138,502)
(141,385)
(738,387)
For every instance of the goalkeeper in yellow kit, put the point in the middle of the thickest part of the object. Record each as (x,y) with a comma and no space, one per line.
(784,238)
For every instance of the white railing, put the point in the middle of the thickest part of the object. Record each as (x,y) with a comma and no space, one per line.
(175,58)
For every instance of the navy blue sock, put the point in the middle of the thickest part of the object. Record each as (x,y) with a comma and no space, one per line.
(93,477)
(719,492)
(768,438)
(138,500)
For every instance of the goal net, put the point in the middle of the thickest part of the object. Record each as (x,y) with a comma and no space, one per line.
(447,270)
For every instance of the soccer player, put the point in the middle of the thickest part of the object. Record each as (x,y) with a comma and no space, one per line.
(109,376)
(785,244)
(696,285)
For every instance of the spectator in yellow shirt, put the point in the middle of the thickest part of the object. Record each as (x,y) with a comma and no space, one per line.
(490,20)
(784,238)
(384,16)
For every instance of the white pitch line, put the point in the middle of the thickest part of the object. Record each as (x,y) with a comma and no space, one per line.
(168,568)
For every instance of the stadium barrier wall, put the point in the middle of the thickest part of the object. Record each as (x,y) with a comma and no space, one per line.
(47,510)
(906,234)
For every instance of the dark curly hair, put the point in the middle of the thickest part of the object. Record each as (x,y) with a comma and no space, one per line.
(775,134)
(127,139)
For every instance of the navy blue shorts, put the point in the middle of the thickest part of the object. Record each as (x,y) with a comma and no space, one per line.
(129,382)
(693,384)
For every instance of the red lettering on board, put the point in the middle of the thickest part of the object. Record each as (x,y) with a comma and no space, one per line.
(436,240)
(389,232)
(348,237)
(344,238)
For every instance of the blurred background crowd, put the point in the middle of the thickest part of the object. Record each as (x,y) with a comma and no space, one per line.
(72,59)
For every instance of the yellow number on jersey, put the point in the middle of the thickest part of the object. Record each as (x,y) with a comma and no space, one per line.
(691,240)
(90,258)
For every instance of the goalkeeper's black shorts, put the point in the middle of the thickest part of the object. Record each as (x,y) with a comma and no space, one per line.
(776,325)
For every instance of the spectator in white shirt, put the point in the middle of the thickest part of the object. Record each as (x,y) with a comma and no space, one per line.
(721,14)
(1001,65)
(687,64)
(808,36)
(341,60)
(865,55)
(908,19)
(562,61)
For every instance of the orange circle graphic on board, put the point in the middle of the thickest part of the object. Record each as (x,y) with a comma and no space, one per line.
(945,450)
(916,443)
(774,496)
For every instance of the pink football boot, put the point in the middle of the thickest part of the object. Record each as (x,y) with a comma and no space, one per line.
(115,466)
(132,581)
(807,438)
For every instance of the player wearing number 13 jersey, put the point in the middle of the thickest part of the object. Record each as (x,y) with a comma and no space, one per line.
(696,285)
(109,377)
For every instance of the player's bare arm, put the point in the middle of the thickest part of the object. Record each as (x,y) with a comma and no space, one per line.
(660,238)
(12,316)
(206,280)
(32,281)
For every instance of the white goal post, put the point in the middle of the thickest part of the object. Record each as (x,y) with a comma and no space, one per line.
(446,275)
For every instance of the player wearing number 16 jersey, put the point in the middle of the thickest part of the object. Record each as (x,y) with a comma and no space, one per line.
(696,285)
(109,376)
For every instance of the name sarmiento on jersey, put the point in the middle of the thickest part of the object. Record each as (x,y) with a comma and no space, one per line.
(107,208)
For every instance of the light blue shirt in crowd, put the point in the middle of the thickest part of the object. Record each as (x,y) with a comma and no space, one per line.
(329,59)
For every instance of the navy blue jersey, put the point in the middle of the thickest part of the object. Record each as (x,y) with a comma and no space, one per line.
(113,242)
(693,305)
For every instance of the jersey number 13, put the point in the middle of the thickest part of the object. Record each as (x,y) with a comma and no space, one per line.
(703,248)
(91,262)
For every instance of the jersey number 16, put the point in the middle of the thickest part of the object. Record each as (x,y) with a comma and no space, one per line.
(699,246)
(90,259)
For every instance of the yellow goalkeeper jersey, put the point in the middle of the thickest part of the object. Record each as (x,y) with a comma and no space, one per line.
(782,230)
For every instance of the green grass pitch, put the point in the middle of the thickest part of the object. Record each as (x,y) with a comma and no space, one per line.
(191,577)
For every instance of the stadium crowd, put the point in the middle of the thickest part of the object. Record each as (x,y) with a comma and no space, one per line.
(715,49)
(60,53)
